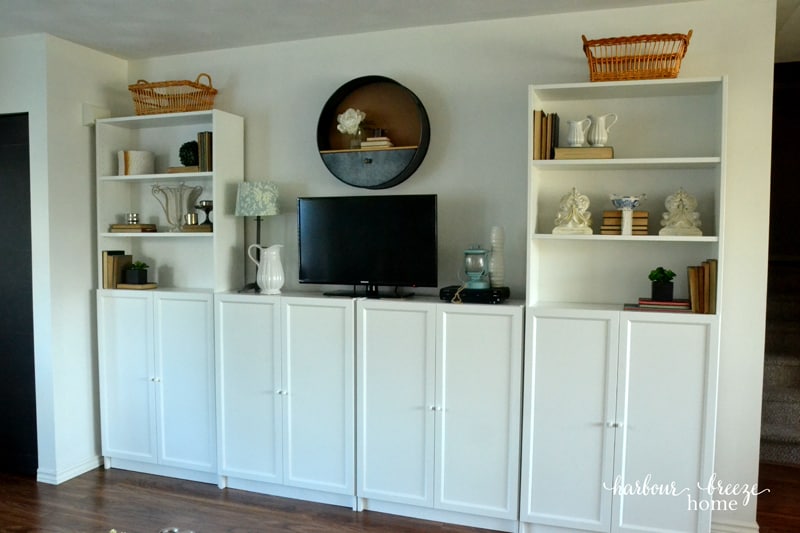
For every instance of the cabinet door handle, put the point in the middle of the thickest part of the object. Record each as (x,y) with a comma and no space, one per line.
(613,424)
(367,160)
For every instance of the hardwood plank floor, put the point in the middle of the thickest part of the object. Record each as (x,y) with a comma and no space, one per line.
(779,509)
(137,503)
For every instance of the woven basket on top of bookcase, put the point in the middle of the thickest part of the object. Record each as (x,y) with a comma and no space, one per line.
(172,96)
(638,57)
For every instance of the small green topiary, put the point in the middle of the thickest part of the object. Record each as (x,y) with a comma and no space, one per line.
(188,154)
(661,275)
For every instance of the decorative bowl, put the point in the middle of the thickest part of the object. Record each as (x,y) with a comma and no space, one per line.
(627,201)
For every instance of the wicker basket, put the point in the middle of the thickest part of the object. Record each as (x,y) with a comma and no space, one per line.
(172,96)
(640,57)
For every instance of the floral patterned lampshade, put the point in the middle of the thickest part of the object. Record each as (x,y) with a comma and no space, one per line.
(257,199)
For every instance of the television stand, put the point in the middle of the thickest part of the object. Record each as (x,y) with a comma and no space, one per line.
(369,291)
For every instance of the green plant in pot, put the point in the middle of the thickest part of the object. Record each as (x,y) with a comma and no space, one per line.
(662,288)
(136,274)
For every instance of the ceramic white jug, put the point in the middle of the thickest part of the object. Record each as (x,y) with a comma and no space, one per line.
(269,276)
(598,131)
(576,134)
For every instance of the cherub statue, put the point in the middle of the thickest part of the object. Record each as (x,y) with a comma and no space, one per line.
(681,217)
(573,217)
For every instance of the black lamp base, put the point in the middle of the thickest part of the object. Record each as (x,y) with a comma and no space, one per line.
(253,287)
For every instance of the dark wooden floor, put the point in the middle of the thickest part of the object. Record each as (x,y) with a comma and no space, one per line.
(136,503)
(779,509)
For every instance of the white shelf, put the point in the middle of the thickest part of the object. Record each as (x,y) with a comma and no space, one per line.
(680,87)
(159,235)
(171,176)
(193,118)
(190,260)
(628,163)
(669,136)
(628,238)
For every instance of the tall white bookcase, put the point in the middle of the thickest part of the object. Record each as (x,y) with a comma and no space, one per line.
(616,398)
(156,347)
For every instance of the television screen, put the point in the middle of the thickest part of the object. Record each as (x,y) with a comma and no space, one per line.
(368,240)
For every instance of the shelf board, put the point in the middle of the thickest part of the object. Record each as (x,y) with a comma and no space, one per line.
(171,176)
(191,118)
(160,235)
(631,163)
(371,149)
(627,89)
(632,238)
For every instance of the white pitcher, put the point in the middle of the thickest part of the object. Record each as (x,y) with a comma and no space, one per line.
(269,276)
(577,131)
(598,131)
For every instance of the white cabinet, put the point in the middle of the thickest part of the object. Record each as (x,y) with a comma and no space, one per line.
(157,381)
(439,390)
(669,136)
(286,395)
(177,259)
(396,401)
(615,401)
(248,339)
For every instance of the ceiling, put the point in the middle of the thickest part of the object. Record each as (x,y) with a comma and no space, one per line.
(135,29)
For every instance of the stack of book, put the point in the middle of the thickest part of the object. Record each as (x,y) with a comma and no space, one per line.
(377,142)
(114,263)
(703,287)
(545,134)
(612,223)
(204,151)
(180,170)
(198,228)
(583,152)
(648,304)
(132,228)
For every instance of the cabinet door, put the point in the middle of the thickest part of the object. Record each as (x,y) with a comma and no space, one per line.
(127,386)
(249,392)
(396,347)
(666,405)
(184,349)
(479,382)
(319,405)
(568,434)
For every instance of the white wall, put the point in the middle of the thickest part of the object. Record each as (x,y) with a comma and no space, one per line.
(50,78)
(75,74)
(472,79)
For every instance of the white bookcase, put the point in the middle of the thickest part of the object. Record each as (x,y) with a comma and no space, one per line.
(181,259)
(156,347)
(608,394)
(670,135)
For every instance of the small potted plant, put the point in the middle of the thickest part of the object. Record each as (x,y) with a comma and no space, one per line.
(136,274)
(662,284)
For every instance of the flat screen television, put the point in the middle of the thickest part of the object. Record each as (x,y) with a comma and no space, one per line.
(368,242)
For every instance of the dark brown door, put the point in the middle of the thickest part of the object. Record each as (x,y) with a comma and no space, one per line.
(18,449)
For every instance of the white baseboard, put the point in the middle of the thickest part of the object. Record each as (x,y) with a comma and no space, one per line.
(60,476)
(733,527)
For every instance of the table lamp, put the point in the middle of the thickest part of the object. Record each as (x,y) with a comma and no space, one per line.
(256,199)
